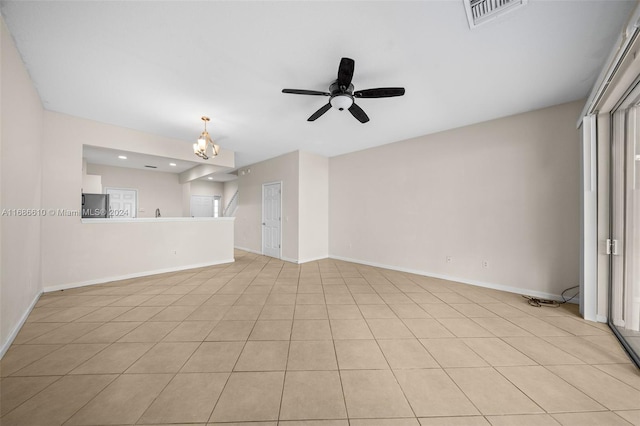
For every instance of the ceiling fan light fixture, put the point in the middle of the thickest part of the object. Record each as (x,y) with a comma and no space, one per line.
(342,102)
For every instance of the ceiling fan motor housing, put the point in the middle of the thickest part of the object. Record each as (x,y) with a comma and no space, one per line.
(335,89)
(341,97)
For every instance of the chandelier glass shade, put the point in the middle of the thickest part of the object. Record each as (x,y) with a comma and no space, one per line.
(201,147)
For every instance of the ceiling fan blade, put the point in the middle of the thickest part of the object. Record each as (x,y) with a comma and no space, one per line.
(382,92)
(305,92)
(319,112)
(345,72)
(358,113)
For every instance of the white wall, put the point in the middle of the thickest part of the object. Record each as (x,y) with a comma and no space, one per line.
(21,187)
(155,189)
(65,240)
(505,191)
(305,210)
(186,199)
(110,250)
(201,187)
(248,231)
(229,189)
(313,238)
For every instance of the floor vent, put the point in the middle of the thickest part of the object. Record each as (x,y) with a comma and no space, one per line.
(482,11)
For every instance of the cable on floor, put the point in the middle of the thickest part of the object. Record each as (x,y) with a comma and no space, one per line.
(537,302)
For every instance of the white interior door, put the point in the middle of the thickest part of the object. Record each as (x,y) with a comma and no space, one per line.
(271,219)
(123,202)
(205,206)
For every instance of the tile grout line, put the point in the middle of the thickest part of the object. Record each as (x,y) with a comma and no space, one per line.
(335,353)
(210,418)
(387,361)
(286,365)
(23,402)
(201,343)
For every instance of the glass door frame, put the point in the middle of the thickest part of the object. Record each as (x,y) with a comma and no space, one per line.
(622,123)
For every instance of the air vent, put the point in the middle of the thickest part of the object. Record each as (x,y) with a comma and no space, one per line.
(482,11)
(152,167)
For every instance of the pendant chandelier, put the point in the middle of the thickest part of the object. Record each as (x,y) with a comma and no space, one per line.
(201,147)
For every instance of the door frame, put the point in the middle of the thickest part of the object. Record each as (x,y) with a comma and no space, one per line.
(262,219)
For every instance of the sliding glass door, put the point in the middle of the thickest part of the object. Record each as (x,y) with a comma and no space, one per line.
(624,244)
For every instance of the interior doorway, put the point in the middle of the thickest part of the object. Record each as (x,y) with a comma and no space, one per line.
(205,206)
(272,219)
(123,202)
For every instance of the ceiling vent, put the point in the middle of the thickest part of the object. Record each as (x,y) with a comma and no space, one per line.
(482,11)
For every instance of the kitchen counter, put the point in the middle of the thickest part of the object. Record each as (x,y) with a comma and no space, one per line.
(156,219)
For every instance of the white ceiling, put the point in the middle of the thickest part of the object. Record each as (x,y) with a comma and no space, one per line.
(159,66)
(136,160)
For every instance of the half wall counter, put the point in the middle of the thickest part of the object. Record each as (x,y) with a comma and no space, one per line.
(110,249)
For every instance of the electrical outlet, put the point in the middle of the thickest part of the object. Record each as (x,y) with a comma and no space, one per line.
(485,263)
(449,259)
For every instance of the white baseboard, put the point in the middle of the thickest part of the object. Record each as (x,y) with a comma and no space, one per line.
(312,259)
(103,280)
(602,318)
(249,250)
(300,262)
(16,329)
(517,290)
(286,259)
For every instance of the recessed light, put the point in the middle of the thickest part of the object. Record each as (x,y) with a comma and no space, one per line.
(122,157)
(172,164)
(210,178)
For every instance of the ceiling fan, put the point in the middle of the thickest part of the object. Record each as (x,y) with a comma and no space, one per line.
(342,94)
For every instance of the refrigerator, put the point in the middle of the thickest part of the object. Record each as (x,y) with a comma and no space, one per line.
(95,206)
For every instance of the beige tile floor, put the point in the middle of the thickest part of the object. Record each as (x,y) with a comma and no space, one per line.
(328,343)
